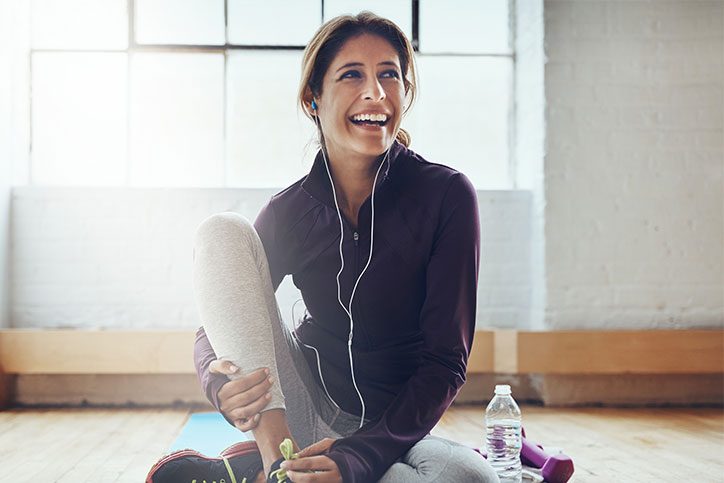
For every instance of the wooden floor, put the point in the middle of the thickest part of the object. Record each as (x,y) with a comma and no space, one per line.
(607,445)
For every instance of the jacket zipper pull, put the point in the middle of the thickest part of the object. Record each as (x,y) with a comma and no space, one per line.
(356,239)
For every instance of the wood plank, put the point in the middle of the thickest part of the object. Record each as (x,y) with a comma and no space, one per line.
(7,389)
(506,348)
(500,351)
(85,445)
(96,352)
(621,352)
(483,352)
(647,445)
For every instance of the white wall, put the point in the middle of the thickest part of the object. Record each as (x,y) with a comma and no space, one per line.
(11,48)
(122,258)
(529,145)
(618,224)
(111,258)
(633,173)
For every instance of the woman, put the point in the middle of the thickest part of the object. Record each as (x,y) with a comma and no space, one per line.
(384,248)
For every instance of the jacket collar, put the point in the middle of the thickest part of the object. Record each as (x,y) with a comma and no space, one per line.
(317,185)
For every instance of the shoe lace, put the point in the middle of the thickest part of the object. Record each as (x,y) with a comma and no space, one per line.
(280,474)
(222,480)
(287,449)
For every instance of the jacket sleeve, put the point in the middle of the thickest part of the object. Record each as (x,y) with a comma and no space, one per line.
(203,352)
(447,322)
(210,383)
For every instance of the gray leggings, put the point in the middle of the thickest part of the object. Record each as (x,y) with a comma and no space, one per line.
(239,312)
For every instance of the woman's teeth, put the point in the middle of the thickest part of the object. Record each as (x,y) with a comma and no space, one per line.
(370,118)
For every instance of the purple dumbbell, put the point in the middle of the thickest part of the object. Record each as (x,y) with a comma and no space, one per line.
(556,468)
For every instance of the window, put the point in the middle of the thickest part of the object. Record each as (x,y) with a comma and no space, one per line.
(202,93)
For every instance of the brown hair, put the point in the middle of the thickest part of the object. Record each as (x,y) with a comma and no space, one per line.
(330,38)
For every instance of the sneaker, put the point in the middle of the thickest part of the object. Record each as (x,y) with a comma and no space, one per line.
(239,463)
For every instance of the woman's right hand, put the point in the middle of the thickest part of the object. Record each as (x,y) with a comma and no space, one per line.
(242,399)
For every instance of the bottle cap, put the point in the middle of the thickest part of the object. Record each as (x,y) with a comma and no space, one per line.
(502,389)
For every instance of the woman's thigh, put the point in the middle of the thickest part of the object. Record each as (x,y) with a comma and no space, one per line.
(308,411)
(435,459)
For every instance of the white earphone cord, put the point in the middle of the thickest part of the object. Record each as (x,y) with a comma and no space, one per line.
(348,310)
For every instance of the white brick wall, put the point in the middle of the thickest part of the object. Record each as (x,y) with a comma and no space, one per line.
(121,258)
(6,137)
(633,174)
(116,258)
(505,283)
(530,141)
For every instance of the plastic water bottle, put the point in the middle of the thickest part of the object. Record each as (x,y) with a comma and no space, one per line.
(504,439)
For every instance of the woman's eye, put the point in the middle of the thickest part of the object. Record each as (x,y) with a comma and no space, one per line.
(391,73)
(350,74)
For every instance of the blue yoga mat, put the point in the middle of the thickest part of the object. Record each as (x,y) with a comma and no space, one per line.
(208,433)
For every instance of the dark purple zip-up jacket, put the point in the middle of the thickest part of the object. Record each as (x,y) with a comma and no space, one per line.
(414,309)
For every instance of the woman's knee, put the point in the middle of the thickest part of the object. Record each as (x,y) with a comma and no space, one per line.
(225,228)
(438,460)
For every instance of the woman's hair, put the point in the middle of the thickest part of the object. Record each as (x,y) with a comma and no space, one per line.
(330,38)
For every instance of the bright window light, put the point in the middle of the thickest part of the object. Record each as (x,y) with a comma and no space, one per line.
(79,118)
(464,27)
(273,22)
(177,113)
(182,22)
(79,24)
(204,94)
(267,138)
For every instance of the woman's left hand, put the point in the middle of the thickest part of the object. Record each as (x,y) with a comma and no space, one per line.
(313,458)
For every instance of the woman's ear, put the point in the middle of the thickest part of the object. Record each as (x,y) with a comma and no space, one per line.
(310,103)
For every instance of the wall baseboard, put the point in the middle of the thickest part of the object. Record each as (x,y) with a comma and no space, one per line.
(553,368)
(165,390)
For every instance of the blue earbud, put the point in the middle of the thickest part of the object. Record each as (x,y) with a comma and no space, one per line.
(314,105)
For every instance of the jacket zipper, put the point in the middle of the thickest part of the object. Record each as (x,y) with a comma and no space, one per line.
(360,328)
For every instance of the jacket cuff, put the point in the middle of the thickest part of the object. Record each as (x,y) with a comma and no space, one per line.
(216,381)
(343,465)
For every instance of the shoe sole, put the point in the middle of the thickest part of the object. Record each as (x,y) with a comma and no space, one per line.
(232,451)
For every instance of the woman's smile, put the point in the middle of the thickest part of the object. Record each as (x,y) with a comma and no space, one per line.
(374,122)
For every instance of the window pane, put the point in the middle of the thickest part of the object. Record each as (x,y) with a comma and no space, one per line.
(464,27)
(79,24)
(273,22)
(181,22)
(177,119)
(79,118)
(267,137)
(399,11)
(461,117)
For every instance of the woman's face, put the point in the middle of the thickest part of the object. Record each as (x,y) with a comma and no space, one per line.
(361,104)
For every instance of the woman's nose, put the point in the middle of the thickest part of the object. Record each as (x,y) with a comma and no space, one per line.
(373,90)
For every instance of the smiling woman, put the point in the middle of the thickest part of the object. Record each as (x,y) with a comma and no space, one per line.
(397,57)
(384,247)
(361,90)
(358,112)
